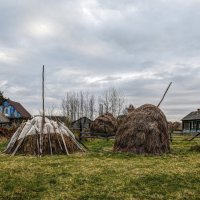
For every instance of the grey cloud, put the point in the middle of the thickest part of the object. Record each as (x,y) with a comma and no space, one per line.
(97,44)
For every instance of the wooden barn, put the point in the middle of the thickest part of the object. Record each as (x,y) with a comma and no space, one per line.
(82,123)
(191,122)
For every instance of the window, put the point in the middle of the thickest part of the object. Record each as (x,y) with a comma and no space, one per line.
(6,111)
(192,125)
(186,125)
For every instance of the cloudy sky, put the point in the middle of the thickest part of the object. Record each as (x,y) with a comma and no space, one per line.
(138,46)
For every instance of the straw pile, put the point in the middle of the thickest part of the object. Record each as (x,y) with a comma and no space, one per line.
(143,131)
(38,137)
(105,123)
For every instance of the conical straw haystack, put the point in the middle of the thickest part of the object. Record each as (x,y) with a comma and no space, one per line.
(36,137)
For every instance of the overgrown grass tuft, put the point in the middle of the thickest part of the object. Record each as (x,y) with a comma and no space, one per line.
(103,174)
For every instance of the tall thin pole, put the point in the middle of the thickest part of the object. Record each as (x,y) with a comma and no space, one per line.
(164,94)
(43,115)
(43,111)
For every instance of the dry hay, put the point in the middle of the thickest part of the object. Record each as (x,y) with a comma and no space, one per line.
(30,145)
(143,131)
(105,123)
(120,119)
(7,132)
(37,138)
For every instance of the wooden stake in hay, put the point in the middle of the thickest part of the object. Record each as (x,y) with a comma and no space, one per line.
(44,136)
(143,131)
(105,123)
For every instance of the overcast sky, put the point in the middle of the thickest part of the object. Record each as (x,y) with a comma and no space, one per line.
(138,46)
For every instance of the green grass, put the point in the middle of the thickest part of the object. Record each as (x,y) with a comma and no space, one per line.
(102,174)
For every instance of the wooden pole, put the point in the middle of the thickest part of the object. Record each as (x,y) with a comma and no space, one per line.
(43,114)
(43,111)
(164,94)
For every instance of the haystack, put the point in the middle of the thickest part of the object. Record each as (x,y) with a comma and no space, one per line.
(105,123)
(43,137)
(143,131)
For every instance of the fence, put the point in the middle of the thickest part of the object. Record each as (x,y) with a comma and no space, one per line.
(96,135)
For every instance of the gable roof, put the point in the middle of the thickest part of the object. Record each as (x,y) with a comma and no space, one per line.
(3,118)
(19,108)
(192,116)
(82,119)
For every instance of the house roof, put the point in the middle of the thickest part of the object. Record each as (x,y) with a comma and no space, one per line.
(24,113)
(192,116)
(81,119)
(3,118)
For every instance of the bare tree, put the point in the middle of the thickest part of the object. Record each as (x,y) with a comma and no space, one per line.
(91,106)
(112,101)
(80,104)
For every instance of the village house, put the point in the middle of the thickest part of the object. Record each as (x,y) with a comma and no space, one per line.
(14,110)
(191,122)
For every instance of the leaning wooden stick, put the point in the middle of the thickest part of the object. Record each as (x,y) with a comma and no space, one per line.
(194,137)
(164,94)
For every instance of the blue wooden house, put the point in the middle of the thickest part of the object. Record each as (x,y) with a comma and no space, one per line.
(14,110)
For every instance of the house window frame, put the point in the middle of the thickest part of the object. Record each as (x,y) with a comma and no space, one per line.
(198,125)
(186,125)
(6,111)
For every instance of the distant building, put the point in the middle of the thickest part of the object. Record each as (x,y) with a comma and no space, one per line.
(82,124)
(14,110)
(191,122)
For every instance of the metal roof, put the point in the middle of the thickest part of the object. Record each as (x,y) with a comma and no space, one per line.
(192,116)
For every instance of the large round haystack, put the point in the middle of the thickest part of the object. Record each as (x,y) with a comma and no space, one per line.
(143,131)
(43,137)
(105,123)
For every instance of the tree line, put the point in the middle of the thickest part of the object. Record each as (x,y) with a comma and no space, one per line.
(86,104)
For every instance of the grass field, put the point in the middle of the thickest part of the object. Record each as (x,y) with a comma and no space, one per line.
(102,174)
